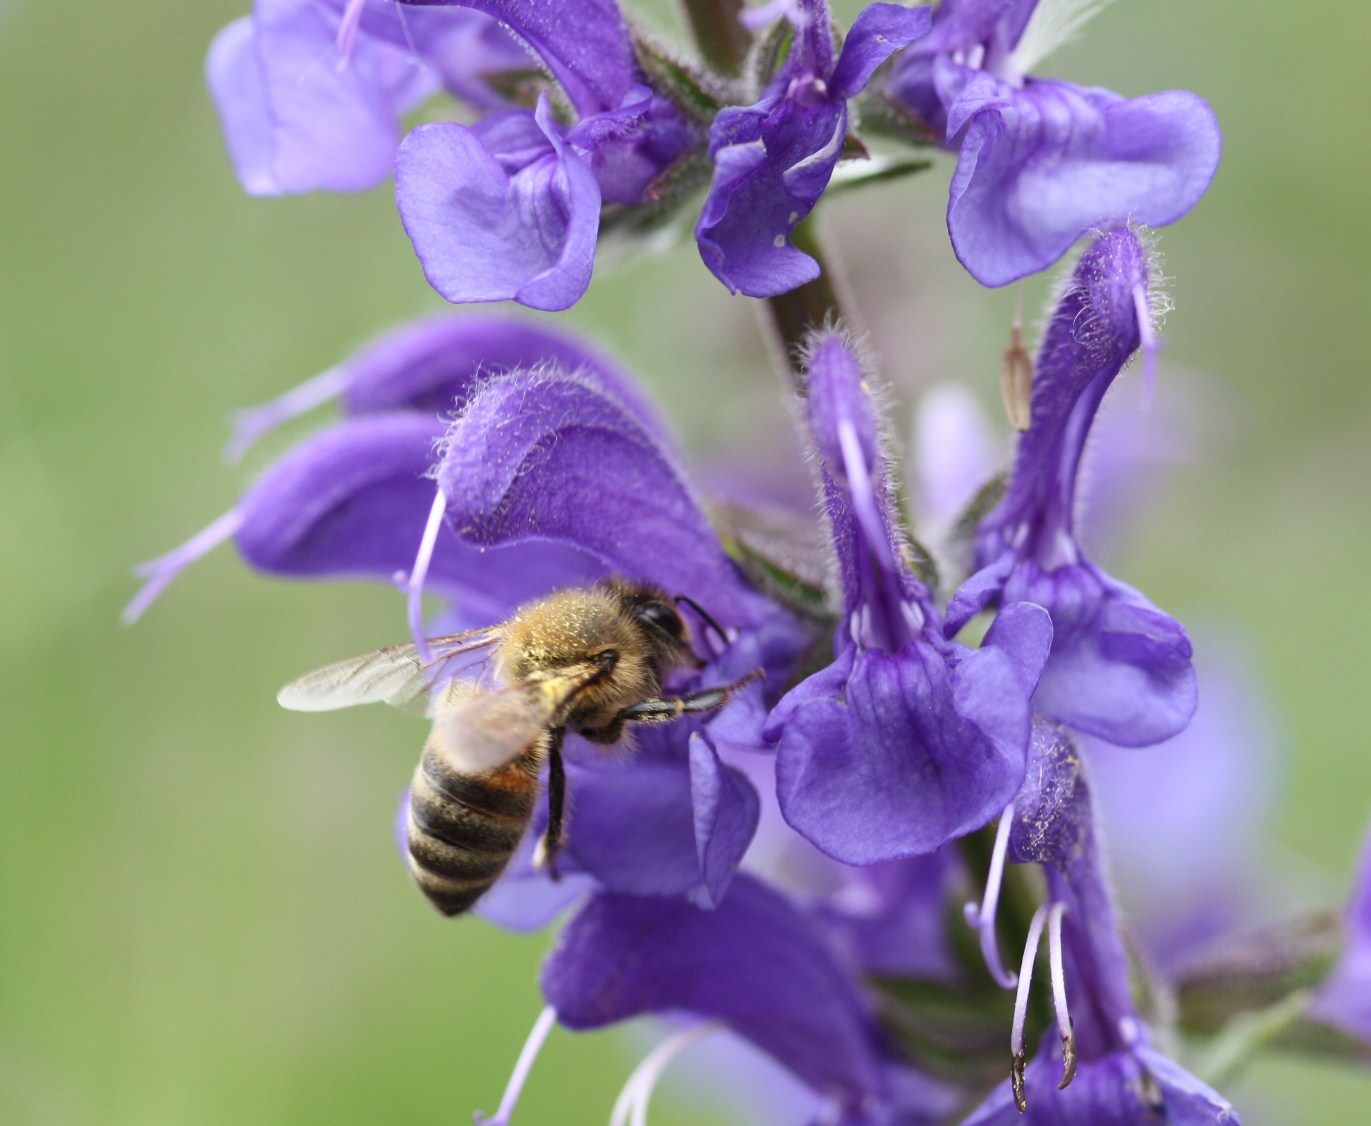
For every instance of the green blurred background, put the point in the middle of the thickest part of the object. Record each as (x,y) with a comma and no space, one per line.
(202,918)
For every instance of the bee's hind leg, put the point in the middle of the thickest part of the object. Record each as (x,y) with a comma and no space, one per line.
(663,709)
(550,844)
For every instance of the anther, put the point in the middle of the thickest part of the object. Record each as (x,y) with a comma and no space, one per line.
(630,1108)
(1016,373)
(522,1067)
(982,915)
(419,573)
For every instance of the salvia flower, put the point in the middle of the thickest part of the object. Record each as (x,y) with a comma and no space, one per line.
(1041,162)
(1100,1070)
(546,477)
(509,208)
(907,739)
(311,93)
(1119,668)
(758,966)
(773,159)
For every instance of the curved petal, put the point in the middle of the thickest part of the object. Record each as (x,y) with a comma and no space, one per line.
(294,120)
(1120,668)
(353,502)
(754,963)
(926,752)
(772,162)
(670,820)
(504,210)
(434,364)
(877,33)
(535,458)
(585,43)
(1109,1091)
(1042,165)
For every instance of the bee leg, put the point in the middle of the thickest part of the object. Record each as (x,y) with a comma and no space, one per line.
(550,845)
(663,709)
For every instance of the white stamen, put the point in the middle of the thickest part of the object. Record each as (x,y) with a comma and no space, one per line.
(1030,952)
(1054,23)
(160,572)
(1054,951)
(630,1108)
(347,31)
(419,573)
(522,1066)
(982,917)
(253,423)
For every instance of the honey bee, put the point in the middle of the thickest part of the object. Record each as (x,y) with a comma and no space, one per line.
(591,659)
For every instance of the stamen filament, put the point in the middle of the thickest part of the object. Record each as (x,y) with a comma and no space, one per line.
(347,31)
(252,424)
(630,1108)
(1016,1035)
(162,571)
(419,573)
(522,1067)
(982,916)
(1064,1025)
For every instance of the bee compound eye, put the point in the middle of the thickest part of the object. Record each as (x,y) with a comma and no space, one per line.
(660,616)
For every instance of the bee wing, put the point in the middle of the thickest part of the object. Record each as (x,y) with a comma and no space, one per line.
(396,675)
(484,731)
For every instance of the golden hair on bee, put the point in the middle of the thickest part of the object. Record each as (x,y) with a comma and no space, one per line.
(590,659)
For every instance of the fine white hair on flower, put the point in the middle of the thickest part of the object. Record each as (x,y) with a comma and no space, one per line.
(1054,24)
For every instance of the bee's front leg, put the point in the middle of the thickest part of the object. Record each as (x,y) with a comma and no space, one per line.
(549,845)
(663,709)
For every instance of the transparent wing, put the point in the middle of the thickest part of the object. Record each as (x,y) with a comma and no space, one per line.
(484,731)
(396,676)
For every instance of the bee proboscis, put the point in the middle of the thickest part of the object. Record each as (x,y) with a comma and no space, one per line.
(588,659)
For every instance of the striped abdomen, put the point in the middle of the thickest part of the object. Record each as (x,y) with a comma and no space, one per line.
(463,828)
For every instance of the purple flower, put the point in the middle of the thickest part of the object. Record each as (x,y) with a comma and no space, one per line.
(773,159)
(546,477)
(1344,999)
(1040,163)
(756,965)
(1119,668)
(510,207)
(311,93)
(906,740)
(1109,1074)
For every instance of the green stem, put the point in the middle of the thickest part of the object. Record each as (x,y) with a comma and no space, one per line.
(719,33)
(793,316)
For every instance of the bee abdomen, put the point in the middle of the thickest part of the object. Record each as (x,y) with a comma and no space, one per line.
(464,828)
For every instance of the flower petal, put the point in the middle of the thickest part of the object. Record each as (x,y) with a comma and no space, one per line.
(504,210)
(294,120)
(915,754)
(877,33)
(754,963)
(1040,166)
(539,459)
(352,503)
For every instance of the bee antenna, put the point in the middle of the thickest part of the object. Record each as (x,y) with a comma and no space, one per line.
(710,622)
